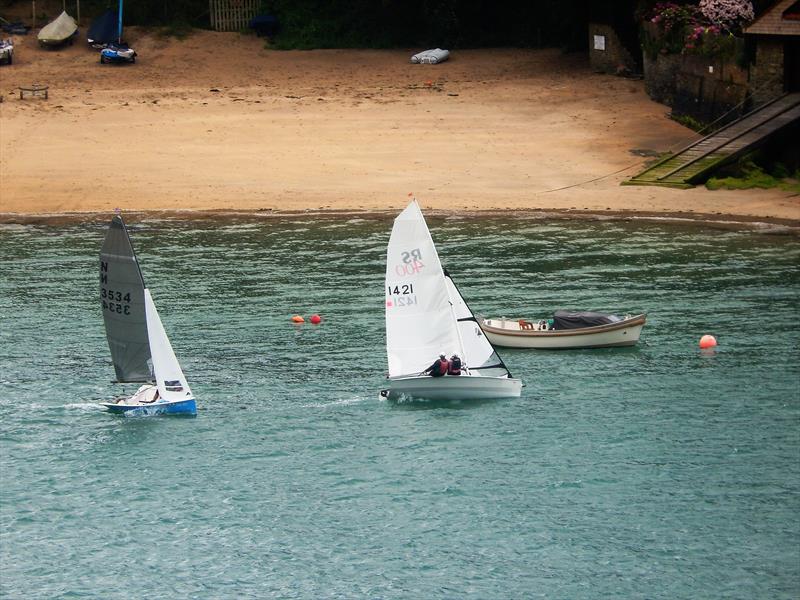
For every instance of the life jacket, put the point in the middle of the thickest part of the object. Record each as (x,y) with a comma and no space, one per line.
(439,368)
(455,367)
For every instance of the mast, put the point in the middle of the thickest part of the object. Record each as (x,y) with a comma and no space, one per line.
(119,23)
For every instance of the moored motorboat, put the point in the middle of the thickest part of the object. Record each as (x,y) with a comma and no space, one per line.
(565,330)
(427,316)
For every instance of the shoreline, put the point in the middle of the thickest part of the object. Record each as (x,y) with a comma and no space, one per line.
(771,225)
(218,123)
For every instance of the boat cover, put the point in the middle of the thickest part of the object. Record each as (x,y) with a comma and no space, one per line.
(59,30)
(431,57)
(103,29)
(571,319)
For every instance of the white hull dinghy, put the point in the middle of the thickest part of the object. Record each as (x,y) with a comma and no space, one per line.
(140,348)
(565,331)
(426,316)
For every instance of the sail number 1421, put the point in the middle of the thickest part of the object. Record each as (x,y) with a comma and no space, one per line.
(400,290)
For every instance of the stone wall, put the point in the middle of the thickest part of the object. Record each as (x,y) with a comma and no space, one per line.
(706,89)
(606,52)
(766,75)
(710,90)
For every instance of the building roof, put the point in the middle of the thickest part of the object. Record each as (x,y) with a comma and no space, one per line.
(782,18)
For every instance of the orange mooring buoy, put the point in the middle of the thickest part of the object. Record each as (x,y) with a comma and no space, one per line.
(708,341)
(298,319)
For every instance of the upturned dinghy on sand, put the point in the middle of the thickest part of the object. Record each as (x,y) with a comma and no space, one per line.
(426,316)
(58,32)
(140,348)
(430,57)
(566,330)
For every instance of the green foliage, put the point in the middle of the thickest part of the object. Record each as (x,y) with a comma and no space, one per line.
(451,24)
(749,175)
(688,121)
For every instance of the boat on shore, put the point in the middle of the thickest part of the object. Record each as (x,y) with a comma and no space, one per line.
(426,316)
(60,31)
(566,330)
(140,349)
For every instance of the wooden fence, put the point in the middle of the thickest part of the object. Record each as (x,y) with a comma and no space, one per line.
(232,15)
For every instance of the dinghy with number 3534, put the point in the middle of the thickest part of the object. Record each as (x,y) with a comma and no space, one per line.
(140,348)
(426,316)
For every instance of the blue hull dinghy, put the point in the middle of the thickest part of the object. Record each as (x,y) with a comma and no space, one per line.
(140,349)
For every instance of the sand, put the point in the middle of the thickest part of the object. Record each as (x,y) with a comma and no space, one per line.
(219,122)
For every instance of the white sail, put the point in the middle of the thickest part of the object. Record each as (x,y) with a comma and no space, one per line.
(420,324)
(170,380)
(479,354)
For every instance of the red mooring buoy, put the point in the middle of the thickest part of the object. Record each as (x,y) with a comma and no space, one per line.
(315,319)
(708,341)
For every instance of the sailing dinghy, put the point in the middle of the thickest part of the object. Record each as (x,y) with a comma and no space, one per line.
(140,348)
(426,316)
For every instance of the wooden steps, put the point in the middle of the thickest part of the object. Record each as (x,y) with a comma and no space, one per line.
(697,160)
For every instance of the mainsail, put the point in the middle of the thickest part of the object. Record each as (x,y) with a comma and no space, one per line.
(170,380)
(123,301)
(103,29)
(420,323)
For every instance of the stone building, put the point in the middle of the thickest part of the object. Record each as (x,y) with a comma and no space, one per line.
(776,36)
(607,53)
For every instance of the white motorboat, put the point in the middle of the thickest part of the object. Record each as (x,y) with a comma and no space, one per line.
(140,348)
(426,316)
(566,330)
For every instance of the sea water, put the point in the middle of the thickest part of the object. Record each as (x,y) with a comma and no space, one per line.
(658,471)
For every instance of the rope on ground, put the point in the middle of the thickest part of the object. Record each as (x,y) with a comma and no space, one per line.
(697,137)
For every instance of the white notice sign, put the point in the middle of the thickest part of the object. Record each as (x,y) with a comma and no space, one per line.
(599,42)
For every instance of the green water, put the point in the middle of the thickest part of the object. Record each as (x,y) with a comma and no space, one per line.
(649,472)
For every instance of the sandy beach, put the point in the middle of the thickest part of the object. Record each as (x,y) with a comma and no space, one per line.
(217,122)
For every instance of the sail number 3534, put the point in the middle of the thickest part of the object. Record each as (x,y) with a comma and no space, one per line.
(113,301)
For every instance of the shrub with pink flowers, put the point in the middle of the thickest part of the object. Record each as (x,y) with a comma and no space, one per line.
(707,29)
(727,14)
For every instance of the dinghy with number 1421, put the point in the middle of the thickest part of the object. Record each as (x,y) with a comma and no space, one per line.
(426,316)
(140,348)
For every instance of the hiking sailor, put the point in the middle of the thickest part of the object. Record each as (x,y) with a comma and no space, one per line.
(439,367)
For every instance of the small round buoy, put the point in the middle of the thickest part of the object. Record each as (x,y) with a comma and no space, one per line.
(315,319)
(298,319)
(708,341)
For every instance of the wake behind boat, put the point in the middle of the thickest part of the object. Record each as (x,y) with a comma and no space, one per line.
(426,316)
(566,330)
(140,348)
